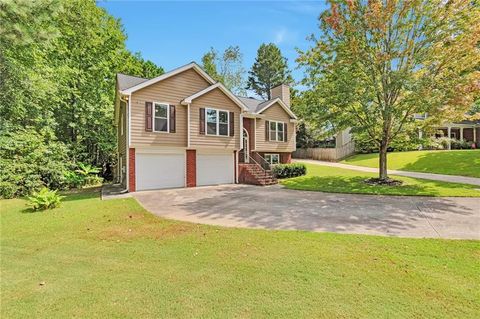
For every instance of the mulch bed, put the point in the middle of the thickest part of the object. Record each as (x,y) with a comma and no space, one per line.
(383,182)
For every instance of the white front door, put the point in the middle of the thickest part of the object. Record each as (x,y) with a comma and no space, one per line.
(215,168)
(156,171)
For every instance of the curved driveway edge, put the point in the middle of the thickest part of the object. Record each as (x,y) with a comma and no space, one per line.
(274,207)
(431,176)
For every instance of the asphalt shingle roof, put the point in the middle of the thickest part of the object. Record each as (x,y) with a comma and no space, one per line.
(127,81)
(254,105)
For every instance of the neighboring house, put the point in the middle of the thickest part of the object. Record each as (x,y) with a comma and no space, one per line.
(463,130)
(182,129)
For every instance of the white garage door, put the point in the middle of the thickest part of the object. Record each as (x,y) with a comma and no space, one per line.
(155,171)
(213,169)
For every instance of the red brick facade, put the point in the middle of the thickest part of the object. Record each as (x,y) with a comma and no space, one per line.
(285,158)
(191,168)
(131,170)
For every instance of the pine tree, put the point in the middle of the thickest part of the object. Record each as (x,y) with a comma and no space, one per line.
(269,70)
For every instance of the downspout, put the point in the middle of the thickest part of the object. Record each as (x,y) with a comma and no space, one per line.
(188,125)
(127,149)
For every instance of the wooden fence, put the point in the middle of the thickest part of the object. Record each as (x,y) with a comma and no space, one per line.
(326,154)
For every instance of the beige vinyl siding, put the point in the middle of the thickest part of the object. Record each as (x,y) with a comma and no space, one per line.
(218,100)
(171,91)
(122,141)
(274,113)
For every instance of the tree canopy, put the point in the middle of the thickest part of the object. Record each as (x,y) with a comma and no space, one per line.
(377,63)
(269,70)
(58,61)
(226,68)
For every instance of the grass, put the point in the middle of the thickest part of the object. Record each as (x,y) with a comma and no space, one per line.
(458,162)
(112,259)
(339,180)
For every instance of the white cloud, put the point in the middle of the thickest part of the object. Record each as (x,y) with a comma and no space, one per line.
(280,36)
(283,35)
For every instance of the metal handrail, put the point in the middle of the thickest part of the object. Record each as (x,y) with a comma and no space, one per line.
(263,169)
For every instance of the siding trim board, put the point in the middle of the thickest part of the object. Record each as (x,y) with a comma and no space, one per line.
(167,75)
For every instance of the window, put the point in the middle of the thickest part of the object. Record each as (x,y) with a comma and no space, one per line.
(161,118)
(217,122)
(276,132)
(272,158)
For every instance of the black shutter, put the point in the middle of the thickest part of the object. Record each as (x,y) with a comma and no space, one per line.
(231,118)
(285,132)
(202,121)
(172,118)
(148,116)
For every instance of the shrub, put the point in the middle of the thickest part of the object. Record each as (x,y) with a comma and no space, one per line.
(87,169)
(29,161)
(93,180)
(45,199)
(289,170)
(74,180)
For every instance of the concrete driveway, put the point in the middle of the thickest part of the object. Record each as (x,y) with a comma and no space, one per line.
(274,207)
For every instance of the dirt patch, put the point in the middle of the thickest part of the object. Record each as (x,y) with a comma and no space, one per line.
(383,182)
(151,231)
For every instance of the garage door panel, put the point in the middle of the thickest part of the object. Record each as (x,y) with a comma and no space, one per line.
(214,169)
(156,171)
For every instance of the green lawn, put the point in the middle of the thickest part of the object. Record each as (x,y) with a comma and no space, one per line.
(112,259)
(339,180)
(459,162)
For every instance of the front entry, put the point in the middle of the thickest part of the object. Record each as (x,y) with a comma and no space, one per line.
(246,147)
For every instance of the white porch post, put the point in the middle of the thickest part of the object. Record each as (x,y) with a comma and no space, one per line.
(449,130)
(475,134)
(461,133)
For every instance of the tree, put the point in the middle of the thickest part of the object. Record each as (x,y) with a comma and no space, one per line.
(226,68)
(58,61)
(377,63)
(269,70)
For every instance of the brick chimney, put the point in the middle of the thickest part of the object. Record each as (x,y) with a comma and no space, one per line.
(281,91)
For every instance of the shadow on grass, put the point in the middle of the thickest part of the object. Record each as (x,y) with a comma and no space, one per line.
(80,194)
(356,184)
(462,163)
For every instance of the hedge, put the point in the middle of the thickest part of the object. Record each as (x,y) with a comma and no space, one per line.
(289,170)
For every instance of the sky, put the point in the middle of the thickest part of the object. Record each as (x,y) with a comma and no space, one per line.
(174,33)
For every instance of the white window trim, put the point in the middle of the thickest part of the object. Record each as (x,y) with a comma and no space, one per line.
(154,117)
(218,122)
(271,155)
(276,131)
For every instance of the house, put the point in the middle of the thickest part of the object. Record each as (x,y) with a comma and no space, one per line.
(183,129)
(466,130)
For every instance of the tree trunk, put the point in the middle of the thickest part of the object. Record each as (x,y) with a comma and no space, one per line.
(383,160)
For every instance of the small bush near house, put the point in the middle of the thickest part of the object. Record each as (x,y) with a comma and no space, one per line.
(44,199)
(74,180)
(289,170)
(89,174)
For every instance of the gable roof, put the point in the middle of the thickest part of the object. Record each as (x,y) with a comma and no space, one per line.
(251,103)
(265,105)
(127,81)
(164,76)
(221,87)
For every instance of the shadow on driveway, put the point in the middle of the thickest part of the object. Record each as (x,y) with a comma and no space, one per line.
(275,207)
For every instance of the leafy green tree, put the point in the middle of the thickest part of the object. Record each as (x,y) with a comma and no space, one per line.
(30,160)
(377,63)
(269,70)
(226,68)
(58,61)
